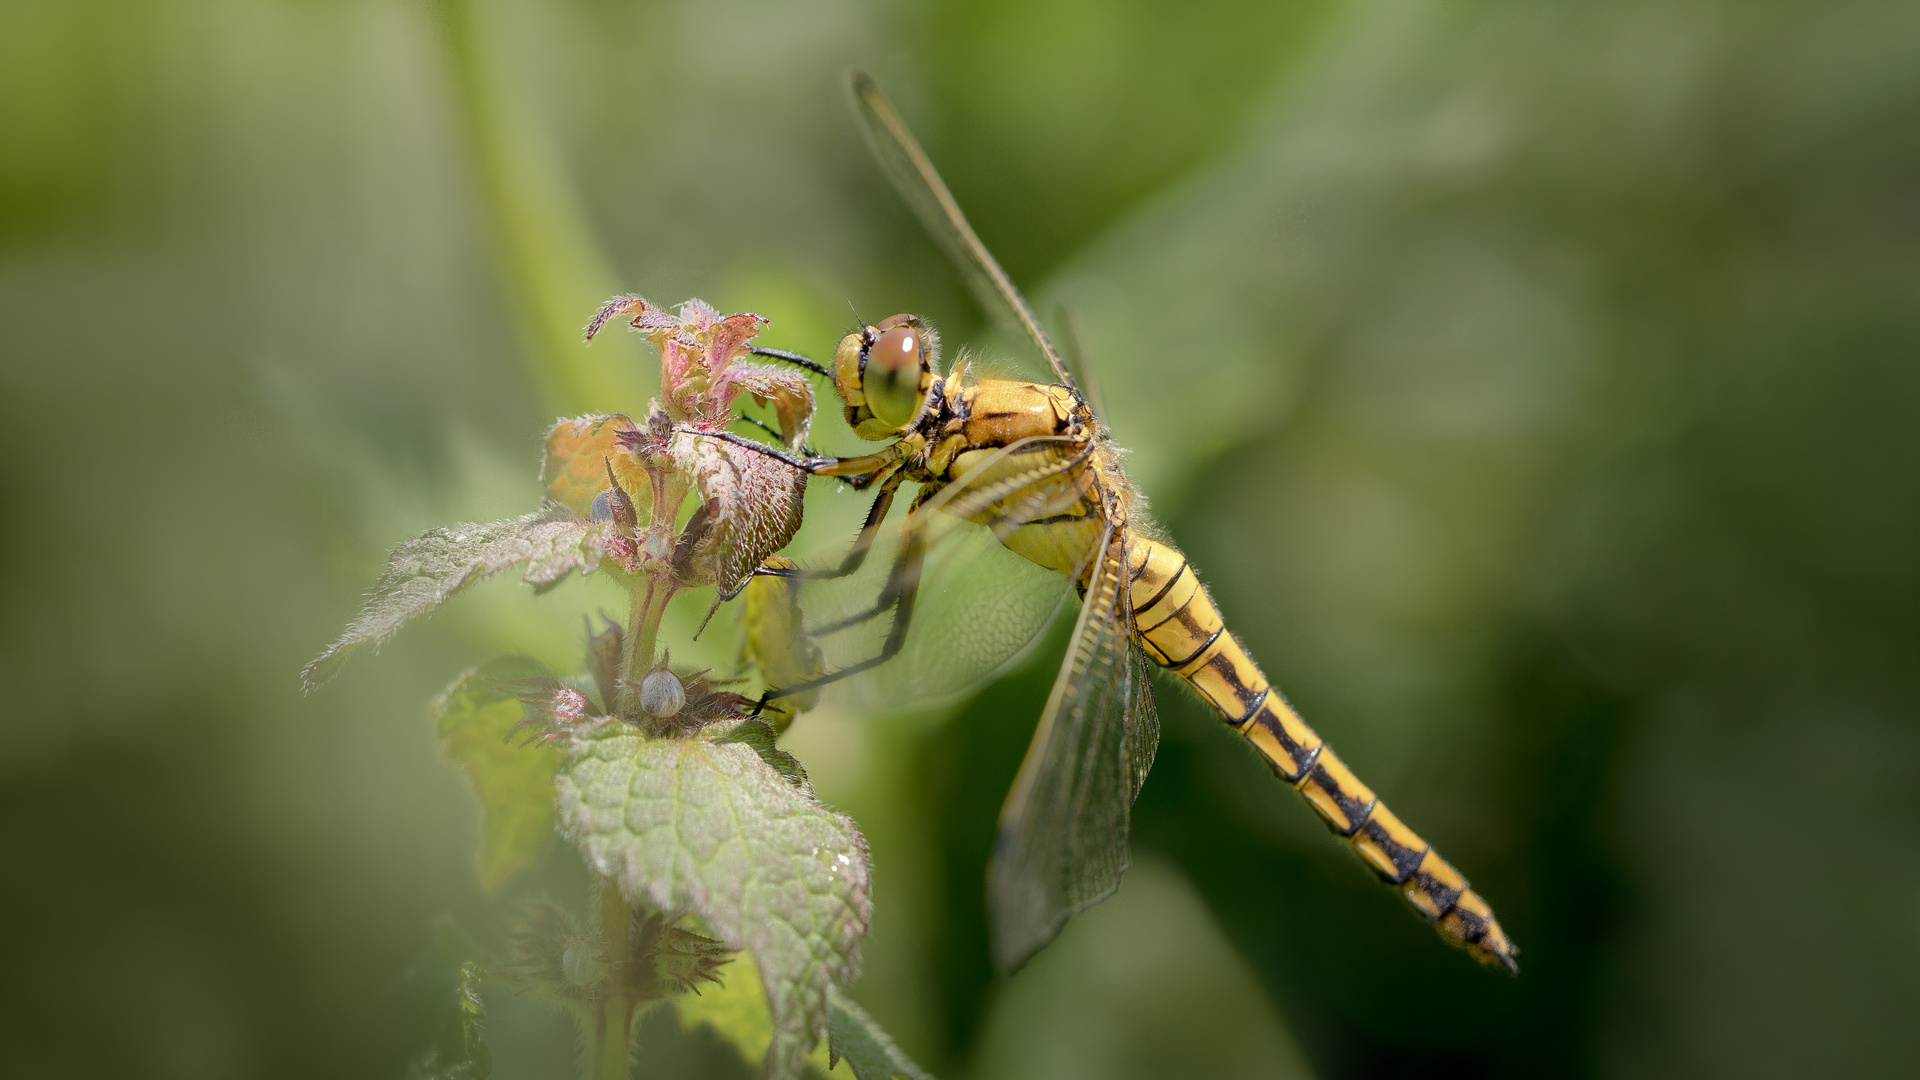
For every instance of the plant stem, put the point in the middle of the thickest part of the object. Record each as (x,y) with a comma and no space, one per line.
(643,629)
(610,1038)
(648,596)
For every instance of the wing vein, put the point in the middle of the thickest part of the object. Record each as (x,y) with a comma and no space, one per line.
(1062,843)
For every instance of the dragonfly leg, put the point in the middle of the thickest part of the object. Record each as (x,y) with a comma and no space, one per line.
(863,543)
(793,358)
(810,464)
(761,424)
(862,546)
(859,471)
(722,595)
(903,580)
(903,586)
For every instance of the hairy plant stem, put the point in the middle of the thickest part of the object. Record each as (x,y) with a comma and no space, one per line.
(647,599)
(610,1030)
(649,592)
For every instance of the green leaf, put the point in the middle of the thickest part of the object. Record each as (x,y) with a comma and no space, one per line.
(475,717)
(735,1010)
(707,825)
(869,1051)
(458,1050)
(461,1052)
(427,571)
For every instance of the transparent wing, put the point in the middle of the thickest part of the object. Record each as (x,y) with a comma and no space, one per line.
(1062,840)
(920,185)
(976,606)
(1074,351)
(977,609)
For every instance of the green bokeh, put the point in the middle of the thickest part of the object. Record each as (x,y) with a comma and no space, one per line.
(1534,386)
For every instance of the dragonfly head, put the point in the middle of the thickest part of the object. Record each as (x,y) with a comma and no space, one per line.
(885,375)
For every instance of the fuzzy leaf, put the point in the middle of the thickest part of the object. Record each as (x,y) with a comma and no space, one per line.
(514,784)
(707,825)
(854,1037)
(759,503)
(425,572)
(580,452)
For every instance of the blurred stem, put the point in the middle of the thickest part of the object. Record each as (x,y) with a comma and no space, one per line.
(552,273)
(610,1038)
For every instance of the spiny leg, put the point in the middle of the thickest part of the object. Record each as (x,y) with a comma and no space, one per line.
(903,582)
(858,471)
(912,540)
(761,424)
(862,543)
(1002,522)
(862,546)
(722,594)
(810,464)
(903,586)
(904,579)
(793,358)
(880,466)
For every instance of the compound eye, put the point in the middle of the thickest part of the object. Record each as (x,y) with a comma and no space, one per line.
(902,345)
(847,360)
(895,360)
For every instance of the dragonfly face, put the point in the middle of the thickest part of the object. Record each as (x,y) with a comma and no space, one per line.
(885,375)
(1023,472)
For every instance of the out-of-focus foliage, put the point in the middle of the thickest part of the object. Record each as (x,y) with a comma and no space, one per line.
(477,720)
(459,1050)
(1531,383)
(1143,986)
(868,1051)
(703,825)
(428,570)
(445,984)
(550,266)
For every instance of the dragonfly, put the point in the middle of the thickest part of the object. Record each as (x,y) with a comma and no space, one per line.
(1030,467)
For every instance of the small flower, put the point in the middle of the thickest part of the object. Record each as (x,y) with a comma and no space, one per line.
(703,368)
(567,706)
(552,708)
(751,503)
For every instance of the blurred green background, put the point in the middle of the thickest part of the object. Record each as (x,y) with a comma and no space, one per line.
(1534,384)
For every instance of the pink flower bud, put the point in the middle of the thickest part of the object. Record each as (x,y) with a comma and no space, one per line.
(568,706)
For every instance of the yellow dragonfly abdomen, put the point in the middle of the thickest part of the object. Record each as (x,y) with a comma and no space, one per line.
(1182,631)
